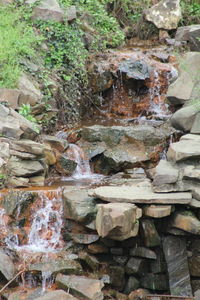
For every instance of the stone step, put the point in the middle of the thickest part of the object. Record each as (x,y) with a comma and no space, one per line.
(144,195)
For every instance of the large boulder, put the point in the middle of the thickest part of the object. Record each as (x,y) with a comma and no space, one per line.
(47,10)
(189,34)
(119,221)
(185,88)
(165,15)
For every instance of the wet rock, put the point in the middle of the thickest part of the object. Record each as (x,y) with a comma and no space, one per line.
(165,14)
(36,181)
(176,257)
(138,70)
(142,194)
(151,237)
(117,276)
(56,143)
(59,265)
(157,211)
(7,267)
(183,89)
(85,239)
(49,155)
(183,150)
(81,286)
(136,266)
(58,294)
(100,80)
(131,285)
(142,252)
(184,118)
(13,181)
(16,202)
(24,168)
(155,282)
(116,251)
(64,165)
(165,173)
(190,34)
(187,221)
(47,10)
(79,206)
(89,260)
(117,220)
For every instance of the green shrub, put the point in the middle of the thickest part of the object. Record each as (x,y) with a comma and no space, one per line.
(190,12)
(17,40)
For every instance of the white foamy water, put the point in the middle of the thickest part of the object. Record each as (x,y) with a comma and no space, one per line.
(83,170)
(45,230)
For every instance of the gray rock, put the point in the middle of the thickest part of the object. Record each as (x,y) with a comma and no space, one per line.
(131,285)
(47,10)
(142,252)
(138,70)
(24,168)
(81,286)
(138,194)
(90,260)
(119,221)
(184,118)
(176,258)
(28,146)
(191,172)
(29,91)
(79,206)
(165,173)
(10,96)
(190,34)
(59,265)
(71,13)
(155,282)
(183,150)
(183,89)
(165,14)
(85,239)
(7,267)
(196,125)
(59,294)
(136,266)
(16,202)
(56,143)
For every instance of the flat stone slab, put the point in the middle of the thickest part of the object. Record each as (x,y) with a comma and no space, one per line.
(144,194)
(184,149)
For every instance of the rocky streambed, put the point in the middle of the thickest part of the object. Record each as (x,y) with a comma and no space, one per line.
(110,209)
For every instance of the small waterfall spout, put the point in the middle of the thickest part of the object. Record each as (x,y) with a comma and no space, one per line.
(83,167)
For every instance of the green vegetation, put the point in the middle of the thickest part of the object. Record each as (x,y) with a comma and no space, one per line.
(25,111)
(190,12)
(17,40)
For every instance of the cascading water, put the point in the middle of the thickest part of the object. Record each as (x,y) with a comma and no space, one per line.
(45,230)
(83,170)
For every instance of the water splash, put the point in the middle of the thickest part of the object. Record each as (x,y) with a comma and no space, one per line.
(83,170)
(47,280)
(45,231)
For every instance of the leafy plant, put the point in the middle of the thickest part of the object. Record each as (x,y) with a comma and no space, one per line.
(17,40)
(25,111)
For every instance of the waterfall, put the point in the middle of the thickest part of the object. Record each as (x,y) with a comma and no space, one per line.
(46,225)
(83,170)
